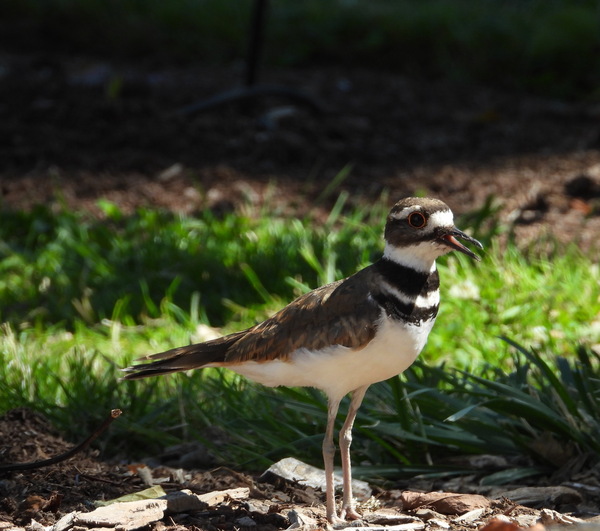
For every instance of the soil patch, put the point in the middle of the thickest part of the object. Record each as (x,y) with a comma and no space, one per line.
(66,495)
(74,129)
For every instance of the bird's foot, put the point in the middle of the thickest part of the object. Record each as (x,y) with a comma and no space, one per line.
(340,523)
(349,513)
(336,522)
(348,518)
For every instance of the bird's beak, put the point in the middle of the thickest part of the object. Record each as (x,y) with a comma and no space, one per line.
(449,239)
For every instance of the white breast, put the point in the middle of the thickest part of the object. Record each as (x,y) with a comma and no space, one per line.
(338,370)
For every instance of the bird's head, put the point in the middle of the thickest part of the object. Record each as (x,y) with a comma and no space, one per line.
(419,230)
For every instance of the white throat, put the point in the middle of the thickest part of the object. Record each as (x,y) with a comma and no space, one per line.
(420,256)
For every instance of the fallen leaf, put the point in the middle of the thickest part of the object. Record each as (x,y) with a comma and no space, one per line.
(147,494)
(444,502)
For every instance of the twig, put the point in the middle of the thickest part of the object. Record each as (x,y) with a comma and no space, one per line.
(115,413)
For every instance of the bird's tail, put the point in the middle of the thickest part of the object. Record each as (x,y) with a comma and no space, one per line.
(182,358)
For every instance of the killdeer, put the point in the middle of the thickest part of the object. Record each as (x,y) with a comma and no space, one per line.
(344,336)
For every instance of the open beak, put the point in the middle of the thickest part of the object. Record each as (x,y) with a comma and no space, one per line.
(450,239)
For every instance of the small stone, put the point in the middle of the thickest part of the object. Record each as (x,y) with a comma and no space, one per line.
(444,502)
(171,172)
(66,522)
(184,501)
(543,496)
(245,521)
(526,520)
(220,496)
(437,522)
(389,517)
(296,471)
(470,516)
(127,515)
(258,506)
(583,186)
(35,526)
(550,517)
(300,520)
(426,514)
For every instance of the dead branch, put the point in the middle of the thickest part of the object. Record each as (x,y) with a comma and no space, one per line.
(115,413)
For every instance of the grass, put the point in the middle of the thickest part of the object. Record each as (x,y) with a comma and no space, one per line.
(534,45)
(80,298)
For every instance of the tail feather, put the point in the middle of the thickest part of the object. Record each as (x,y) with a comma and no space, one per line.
(182,358)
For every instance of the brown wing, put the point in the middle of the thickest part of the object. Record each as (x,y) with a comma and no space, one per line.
(341,313)
(183,358)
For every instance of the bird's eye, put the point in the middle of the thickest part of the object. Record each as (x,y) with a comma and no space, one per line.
(417,220)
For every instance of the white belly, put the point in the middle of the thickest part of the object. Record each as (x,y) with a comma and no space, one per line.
(339,370)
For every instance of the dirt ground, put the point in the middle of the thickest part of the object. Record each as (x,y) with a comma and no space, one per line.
(76,129)
(73,129)
(64,496)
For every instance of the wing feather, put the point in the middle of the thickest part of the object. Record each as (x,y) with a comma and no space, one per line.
(341,313)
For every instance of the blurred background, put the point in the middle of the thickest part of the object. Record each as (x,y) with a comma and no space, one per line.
(172,170)
(464,99)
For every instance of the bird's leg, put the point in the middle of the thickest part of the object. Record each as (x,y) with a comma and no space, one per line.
(328,455)
(348,511)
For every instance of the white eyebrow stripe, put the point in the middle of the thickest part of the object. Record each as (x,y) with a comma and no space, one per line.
(403,214)
(442,218)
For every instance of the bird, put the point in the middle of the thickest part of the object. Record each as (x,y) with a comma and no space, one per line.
(343,336)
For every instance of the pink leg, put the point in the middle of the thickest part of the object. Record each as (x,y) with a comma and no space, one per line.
(328,455)
(348,511)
